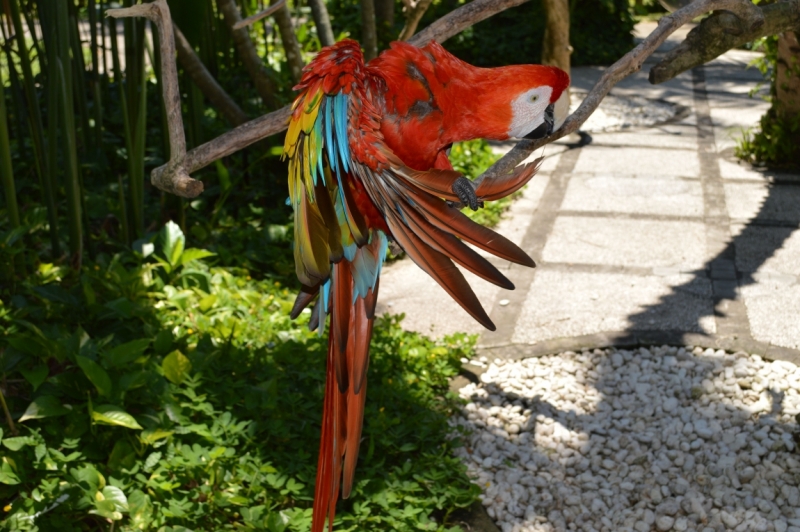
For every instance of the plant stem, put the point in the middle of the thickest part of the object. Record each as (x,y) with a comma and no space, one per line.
(10,421)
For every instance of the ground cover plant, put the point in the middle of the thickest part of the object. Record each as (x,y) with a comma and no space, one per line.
(164,393)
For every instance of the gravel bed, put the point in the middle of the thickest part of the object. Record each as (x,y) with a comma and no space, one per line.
(641,440)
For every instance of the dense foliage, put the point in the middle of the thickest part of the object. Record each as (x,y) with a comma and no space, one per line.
(162,391)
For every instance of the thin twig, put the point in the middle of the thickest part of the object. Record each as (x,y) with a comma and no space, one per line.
(177,180)
(10,421)
(252,19)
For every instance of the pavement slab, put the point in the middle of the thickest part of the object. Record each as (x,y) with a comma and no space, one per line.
(644,235)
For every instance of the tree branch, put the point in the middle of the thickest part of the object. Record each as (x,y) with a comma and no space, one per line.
(175,180)
(751,18)
(413,12)
(252,19)
(719,33)
(247,51)
(212,90)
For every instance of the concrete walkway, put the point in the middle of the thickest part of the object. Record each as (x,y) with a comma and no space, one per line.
(648,236)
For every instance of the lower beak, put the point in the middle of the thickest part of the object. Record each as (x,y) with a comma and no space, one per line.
(546,129)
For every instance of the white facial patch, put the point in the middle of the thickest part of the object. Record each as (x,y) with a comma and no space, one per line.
(527,111)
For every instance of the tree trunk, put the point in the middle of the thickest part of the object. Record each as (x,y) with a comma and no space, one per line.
(556,48)
(787,79)
(290,45)
(322,21)
(369,38)
(384,19)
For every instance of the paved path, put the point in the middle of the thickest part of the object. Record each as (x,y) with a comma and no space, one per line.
(647,236)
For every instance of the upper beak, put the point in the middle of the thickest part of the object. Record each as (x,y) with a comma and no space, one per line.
(554,116)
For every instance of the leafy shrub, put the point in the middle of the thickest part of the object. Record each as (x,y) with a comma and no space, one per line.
(161,393)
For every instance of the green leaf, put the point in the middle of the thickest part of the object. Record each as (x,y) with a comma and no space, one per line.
(88,478)
(96,374)
(44,406)
(195,254)
(35,376)
(163,342)
(176,367)
(7,474)
(140,510)
(126,353)
(15,444)
(277,522)
(171,242)
(115,495)
(114,415)
(149,437)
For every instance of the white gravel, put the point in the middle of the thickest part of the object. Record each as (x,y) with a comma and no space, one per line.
(612,440)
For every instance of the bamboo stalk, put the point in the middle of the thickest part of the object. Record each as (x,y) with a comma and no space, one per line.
(36,127)
(68,134)
(6,171)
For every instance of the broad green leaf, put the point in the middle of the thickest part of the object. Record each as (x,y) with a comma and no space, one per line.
(195,254)
(140,510)
(114,415)
(15,444)
(96,374)
(115,495)
(126,353)
(35,376)
(207,302)
(148,437)
(122,455)
(163,342)
(44,406)
(89,478)
(176,367)
(105,508)
(277,522)
(171,242)
(7,474)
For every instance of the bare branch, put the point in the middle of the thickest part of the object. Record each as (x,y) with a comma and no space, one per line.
(232,141)
(294,56)
(462,18)
(414,11)
(252,19)
(206,82)
(178,181)
(247,51)
(719,33)
(751,18)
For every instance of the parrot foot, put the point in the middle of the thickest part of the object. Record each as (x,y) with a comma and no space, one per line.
(465,190)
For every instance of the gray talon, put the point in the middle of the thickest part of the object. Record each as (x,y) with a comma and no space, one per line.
(465,190)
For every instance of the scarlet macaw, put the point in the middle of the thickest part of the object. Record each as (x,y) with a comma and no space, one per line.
(368,161)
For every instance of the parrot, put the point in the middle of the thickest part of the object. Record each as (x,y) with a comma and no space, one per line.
(367,148)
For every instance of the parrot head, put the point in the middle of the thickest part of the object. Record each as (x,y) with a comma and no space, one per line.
(528,101)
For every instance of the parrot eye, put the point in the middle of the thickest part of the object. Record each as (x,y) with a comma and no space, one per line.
(534,98)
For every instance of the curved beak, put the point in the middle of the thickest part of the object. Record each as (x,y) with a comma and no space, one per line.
(554,116)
